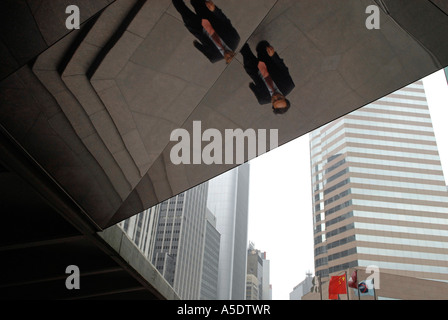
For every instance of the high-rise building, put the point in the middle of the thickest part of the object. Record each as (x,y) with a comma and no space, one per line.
(379,193)
(210,265)
(258,266)
(267,286)
(138,228)
(252,287)
(228,199)
(302,288)
(178,240)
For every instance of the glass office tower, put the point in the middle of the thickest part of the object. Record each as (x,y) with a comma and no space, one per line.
(177,248)
(379,193)
(228,199)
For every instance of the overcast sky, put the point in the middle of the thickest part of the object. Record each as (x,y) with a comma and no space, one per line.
(280,205)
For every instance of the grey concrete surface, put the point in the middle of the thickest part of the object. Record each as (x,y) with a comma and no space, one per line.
(127,86)
(127,250)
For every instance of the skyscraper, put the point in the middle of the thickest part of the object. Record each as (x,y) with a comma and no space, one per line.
(228,199)
(379,193)
(138,228)
(252,287)
(177,248)
(210,265)
(259,267)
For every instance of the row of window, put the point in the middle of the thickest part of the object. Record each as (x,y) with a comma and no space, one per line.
(337,197)
(403,253)
(337,186)
(396,184)
(338,207)
(404,101)
(168,231)
(375,143)
(385,125)
(167,240)
(339,219)
(402,241)
(402,229)
(340,230)
(411,163)
(405,266)
(337,175)
(165,247)
(399,206)
(389,116)
(169,224)
(395,108)
(422,136)
(342,254)
(415,133)
(400,195)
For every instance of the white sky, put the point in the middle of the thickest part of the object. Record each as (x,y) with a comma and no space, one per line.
(280,204)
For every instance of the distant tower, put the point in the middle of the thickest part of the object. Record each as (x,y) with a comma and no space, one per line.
(228,199)
(210,266)
(179,242)
(259,267)
(379,194)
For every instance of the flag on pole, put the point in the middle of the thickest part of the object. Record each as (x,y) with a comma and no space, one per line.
(337,285)
(353,281)
(365,288)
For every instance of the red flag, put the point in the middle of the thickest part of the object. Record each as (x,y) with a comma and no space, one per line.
(337,286)
(353,281)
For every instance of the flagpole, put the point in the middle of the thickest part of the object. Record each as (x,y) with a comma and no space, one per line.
(357,286)
(374,290)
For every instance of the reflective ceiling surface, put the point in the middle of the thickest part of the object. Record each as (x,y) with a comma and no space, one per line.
(96,107)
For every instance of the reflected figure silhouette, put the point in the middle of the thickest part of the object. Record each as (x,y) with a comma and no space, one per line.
(218,39)
(271,79)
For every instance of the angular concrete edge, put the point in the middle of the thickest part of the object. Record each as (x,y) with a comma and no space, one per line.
(75,78)
(127,250)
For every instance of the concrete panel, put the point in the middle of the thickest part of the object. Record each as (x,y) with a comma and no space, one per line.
(46,69)
(76,79)
(318,55)
(116,237)
(147,79)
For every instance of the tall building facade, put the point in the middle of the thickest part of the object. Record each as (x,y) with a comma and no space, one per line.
(379,194)
(139,228)
(210,265)
(252,287)
(228,199)
(259,267)
(179,229)
(173,234)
